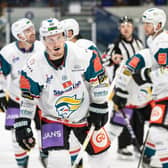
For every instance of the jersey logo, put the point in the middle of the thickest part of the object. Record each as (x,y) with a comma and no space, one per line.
(162,58)
(66,105)
(134,62)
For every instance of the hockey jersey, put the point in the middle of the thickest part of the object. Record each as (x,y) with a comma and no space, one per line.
(87,44)
(61,91)
(12,60)
(158,61)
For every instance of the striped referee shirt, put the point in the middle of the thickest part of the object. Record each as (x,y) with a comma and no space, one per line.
(126,48)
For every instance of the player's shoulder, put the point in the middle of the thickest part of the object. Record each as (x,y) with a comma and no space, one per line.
(87,44)
(9,48)
(73,47)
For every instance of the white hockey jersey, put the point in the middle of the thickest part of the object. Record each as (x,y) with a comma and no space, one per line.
(157,60)
(87,44)
(12,61)
(61,91)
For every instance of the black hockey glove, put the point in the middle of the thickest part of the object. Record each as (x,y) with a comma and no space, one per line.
(3,101)
(24,134)
(142,76)
(98,115)
(119,98)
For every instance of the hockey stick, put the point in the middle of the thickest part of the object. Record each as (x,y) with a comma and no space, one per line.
(131,131)
(143,149)
(85,143)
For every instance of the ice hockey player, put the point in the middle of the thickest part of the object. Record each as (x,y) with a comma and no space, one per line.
(55,81)
(72,33)
(154,20)
(12,58)
(72,30)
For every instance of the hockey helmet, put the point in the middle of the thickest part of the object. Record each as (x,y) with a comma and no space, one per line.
(19,26)
(71,24)
(50,27)
(154,16)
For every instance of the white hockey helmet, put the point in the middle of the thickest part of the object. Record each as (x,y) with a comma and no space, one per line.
(19,26)
(50,27)
(71,24)
(154,16)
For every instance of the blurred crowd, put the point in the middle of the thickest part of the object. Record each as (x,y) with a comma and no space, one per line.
(100,2)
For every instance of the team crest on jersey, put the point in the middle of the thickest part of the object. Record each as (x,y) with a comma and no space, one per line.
(66,105)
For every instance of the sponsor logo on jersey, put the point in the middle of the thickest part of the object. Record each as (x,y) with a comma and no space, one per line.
(77,68)
(67,89)
(157,115)
(66,105)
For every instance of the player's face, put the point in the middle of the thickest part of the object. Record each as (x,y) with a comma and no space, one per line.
(30,34)
(69,34)
(126,29)
(148,28)
(55,45)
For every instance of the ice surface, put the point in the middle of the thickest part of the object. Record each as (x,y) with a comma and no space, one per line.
(7,157)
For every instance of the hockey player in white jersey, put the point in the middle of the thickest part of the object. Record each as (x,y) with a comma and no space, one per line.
(56,79)
(12,58)
(154,20)
(72,32)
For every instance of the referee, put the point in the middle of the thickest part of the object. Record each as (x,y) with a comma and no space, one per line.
(126,46)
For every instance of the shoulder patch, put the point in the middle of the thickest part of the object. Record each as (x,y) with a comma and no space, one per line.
(134,62)
(162,58)
(97,64)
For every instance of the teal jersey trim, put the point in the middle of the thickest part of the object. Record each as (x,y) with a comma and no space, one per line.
(94,69)
(29,86)
(135,63)
(162,56)
(5,67)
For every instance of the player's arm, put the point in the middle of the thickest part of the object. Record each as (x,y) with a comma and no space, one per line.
(5,69)
(98,85)
(30,92)
(133,68)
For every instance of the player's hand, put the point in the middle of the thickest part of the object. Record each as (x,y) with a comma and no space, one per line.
(24,134)
(119,98)
(98,115)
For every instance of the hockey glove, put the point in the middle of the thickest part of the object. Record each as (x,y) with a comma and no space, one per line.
(24,134)
(3,101)
(98,115)
(119,99)
(142,76)
(106,60)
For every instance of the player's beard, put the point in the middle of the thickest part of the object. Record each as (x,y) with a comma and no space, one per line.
(32,39)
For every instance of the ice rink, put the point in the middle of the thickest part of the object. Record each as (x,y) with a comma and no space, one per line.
(7,158)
